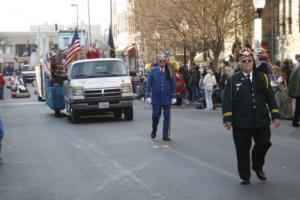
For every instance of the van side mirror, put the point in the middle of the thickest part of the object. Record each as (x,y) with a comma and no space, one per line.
(132,73)
(65,77)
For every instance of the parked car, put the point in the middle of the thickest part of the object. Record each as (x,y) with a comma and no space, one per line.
(28,73)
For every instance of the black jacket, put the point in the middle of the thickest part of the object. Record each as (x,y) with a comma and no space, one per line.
(246,104)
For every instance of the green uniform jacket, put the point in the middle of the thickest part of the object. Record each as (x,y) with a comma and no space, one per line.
(245,103)
(294,83)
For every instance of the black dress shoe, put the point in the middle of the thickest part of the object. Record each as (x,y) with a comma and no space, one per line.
(167,139)
(245,181)
(260,175)
(153,134)
(295,125)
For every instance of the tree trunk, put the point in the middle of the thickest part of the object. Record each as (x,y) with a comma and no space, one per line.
(192,56)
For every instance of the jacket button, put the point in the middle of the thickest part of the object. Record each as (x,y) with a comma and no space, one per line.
(254,107)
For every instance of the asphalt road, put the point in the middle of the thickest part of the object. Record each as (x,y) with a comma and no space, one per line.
(49,158)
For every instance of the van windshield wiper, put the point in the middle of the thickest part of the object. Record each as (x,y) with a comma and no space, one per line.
(83,76)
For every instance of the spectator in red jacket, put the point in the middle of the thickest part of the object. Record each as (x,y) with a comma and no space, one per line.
(93,52)
(180,85)
(2,84)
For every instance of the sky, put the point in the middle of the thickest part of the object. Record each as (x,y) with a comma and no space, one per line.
(18,15)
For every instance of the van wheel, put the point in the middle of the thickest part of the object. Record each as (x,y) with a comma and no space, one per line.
(128,113)
(74,117)
(118,114)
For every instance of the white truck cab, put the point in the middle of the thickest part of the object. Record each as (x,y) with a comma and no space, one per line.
(98,85)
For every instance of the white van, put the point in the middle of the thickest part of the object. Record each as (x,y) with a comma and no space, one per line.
(95,86)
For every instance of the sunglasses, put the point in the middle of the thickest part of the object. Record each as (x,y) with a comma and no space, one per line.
(161,61)
(246,61)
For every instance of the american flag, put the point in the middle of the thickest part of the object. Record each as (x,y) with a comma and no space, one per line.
(74,49)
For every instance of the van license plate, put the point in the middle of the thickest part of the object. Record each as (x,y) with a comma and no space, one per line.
(104,105)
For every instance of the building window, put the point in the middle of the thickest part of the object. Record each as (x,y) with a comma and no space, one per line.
(23,50)
(289,19)
(7,50)
(66,42)
(284,17)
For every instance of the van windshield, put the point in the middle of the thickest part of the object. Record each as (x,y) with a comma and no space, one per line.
(96,69)
(27,68)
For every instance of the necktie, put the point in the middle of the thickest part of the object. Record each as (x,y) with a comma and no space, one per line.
(251,86)
(248,77)
(161,71)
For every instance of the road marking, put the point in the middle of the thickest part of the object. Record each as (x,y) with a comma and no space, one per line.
(155,146)
(166,146)
(22,104)
(204,164)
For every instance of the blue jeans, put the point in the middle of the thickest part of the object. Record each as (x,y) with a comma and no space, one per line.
(1,92)
(194,93)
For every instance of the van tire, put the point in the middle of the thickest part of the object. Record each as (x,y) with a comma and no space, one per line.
(118,114)
(74,116)
(128,112)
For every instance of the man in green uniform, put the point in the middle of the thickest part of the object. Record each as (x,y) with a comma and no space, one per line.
(248,102)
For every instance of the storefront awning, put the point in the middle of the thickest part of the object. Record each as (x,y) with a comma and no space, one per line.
(130,51)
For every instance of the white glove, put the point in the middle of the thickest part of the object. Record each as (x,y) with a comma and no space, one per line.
(174,100)
(148,100)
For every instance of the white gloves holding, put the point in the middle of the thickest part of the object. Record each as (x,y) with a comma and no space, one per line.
(174,101)
(148,100)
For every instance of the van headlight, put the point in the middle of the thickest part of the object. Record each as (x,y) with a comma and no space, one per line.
(126,88)
(77,92)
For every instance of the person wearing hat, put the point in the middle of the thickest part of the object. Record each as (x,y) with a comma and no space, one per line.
(248,100)
(93,52)
(161,93)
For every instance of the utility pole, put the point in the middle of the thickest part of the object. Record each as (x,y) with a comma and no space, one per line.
(90,34)
(76,5)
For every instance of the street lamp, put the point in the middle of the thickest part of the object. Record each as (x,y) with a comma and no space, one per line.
(184,27)
(258,5)
(76,5)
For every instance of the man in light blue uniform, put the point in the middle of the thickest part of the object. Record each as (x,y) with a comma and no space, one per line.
(161,85)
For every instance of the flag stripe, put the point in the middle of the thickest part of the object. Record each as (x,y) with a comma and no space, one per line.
(73,50)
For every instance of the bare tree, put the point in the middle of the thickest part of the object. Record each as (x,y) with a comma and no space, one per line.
(210,23)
